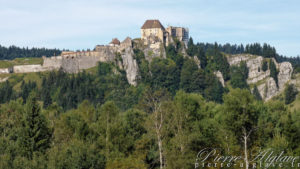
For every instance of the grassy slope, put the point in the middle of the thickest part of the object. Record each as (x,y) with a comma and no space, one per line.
(16,79)
(20,61)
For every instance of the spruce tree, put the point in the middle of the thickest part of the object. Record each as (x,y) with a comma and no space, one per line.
(273,71)
(46,98)
(290,93)
(35,134)
(264,65)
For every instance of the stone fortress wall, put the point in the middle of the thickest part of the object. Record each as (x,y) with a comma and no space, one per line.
(152,43)
(74,62)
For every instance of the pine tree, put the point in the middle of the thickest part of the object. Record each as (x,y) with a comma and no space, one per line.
(188,68)
(46,98)
(264,66)
(35,134)
(290,93)
(273,71)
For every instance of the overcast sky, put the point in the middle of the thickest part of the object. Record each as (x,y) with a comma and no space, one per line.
(82,24)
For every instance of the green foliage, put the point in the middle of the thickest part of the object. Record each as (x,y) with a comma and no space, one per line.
(76,154)
(264,66)
(218,61)
(239,75)
(97,120)
(266,50)
(13,52)
(214,89)
(198,82)
(6,92)
(273,71)
(106,136)
(164,74)
(143,64)
(26,88)
(46,97)
(198,51)
(104,69)
(20,61)
(290,93)
(35,134)
(242,115)
(174,54)
(256,93)
(186,76)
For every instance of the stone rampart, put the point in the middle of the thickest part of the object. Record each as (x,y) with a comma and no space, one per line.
(29,68)
(4,71)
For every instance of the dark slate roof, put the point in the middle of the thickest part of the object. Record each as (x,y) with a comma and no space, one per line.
(152,24)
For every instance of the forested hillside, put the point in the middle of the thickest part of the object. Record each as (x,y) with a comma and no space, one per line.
(95,119)
(12,52)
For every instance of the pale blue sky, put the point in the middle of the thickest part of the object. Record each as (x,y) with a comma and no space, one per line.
(82,24)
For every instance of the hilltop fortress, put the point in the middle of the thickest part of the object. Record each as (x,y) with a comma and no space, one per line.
(153,41)
(153,31)
(154,37)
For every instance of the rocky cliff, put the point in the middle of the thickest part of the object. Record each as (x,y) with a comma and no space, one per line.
(266,85)
(74,62)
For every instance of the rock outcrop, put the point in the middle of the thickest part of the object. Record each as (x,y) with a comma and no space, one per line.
(285,73)
(130,66)
(153,50)
(266,85)
(198,62)
(4,71)
(220,77)
(268,89)
(3,79)
(74,62)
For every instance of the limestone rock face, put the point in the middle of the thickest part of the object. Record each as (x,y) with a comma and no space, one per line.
(269,89)
(255,71)
(285,73)
(254,64)
(4,71)
(3,79)
(267,85)
(154,50)
(130,66)
(198,62)
(236,59)
(220,77)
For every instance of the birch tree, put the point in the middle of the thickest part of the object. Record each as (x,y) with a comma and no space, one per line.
(241,118)
(153,104)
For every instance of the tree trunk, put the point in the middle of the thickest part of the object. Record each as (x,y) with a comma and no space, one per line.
(160,150)
(158,125)
(107,136)
(245,137)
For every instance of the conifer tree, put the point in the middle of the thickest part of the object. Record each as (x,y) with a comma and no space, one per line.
(264,65)
(46,98)
(290,93)
(273,71)
(35,133)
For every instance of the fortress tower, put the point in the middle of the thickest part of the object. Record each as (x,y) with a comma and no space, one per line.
(153,31)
